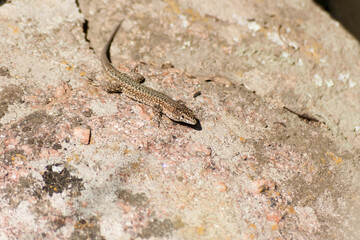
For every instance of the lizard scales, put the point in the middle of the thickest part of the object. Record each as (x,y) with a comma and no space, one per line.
(160,102)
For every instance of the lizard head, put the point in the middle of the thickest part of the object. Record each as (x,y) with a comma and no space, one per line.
(182,114)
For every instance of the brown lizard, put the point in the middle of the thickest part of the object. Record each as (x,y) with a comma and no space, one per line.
(160,103)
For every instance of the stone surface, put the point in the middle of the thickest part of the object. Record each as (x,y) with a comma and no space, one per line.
(79,163)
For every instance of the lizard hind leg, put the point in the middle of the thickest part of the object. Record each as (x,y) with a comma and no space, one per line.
(136,76)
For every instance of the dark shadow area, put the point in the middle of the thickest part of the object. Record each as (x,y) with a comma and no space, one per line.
(4,1)
(324,4)
(196,127)
(347,12)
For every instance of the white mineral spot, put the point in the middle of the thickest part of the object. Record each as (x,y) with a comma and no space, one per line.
(285,55)
(253,26)
(329,83)
(57,169)
(300,62)
(317,80)
(343,77)
(351,84)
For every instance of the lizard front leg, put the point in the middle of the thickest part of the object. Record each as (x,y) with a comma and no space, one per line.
(157,111)
(112,87)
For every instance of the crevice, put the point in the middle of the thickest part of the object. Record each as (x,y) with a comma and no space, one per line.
(85,25)
(85,29)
